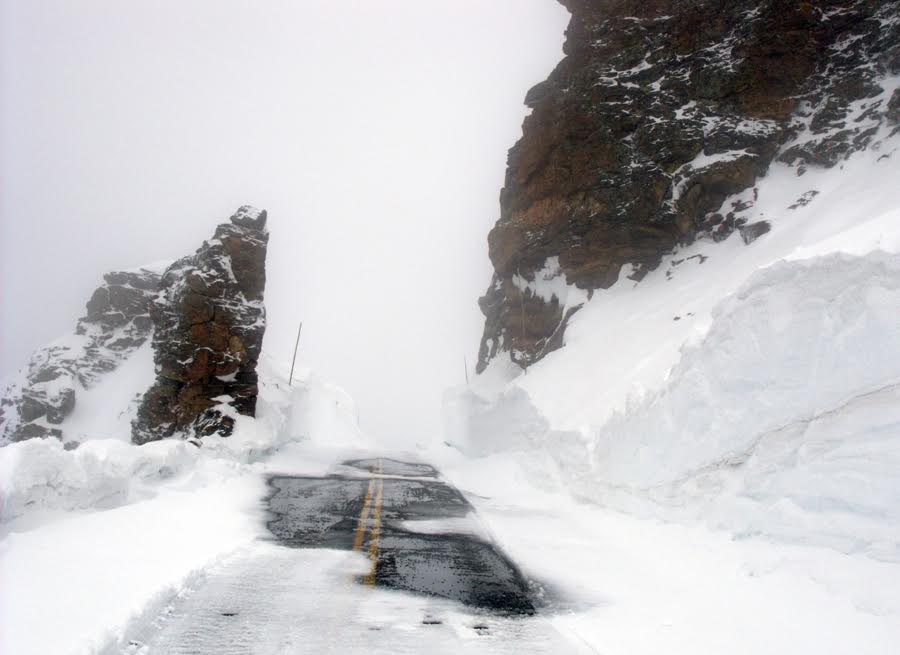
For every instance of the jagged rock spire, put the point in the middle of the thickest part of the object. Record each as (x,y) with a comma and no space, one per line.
(209,321)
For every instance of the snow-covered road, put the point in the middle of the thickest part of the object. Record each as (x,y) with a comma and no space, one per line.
(270,599)
(195,569)
(382,556)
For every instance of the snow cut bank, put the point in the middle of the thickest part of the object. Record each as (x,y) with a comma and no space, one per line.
(780,421)
(749,386)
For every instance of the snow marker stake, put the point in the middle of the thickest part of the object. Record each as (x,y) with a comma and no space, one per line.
(294,360)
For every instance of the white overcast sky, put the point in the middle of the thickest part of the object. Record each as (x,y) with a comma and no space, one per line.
(374,131)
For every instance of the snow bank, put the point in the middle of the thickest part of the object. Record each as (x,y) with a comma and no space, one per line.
(620,583)
(749,386)
(72,586)
(40,476)
(782,420)
(798,341)
(628,586)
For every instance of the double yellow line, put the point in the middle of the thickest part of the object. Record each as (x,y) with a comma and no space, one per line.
(376,488)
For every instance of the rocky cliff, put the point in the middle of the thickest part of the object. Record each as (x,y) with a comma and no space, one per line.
(209,321)
(35,403)
(660,113)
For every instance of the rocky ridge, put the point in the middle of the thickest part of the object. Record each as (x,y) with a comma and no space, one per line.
(652,132)
(36,401)
(209,321)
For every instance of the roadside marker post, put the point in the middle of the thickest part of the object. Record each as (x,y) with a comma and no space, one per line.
(294,360)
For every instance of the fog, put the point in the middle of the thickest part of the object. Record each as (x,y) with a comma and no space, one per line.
(373,131)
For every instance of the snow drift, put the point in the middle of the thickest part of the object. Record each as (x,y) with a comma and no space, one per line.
(42,475)
(782,412)
(781,420)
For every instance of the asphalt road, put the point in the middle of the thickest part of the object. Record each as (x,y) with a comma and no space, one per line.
(372,515)
(381,556)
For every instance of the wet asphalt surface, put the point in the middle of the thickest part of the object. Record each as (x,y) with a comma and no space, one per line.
(365,509)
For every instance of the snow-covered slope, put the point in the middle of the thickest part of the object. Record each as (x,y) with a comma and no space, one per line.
(750,385)
(70,374)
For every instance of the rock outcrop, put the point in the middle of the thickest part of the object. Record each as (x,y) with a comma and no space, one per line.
(209,321)
(36,401)
(660,112)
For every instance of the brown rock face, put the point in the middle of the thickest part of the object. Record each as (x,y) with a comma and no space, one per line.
(659,112)
(44,394)
(209,321)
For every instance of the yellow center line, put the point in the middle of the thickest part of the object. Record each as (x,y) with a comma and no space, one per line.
(376,536)
(376,531)
(361,527)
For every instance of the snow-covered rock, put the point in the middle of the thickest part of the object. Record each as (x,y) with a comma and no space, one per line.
(654,131)
(209,322)
(36,401)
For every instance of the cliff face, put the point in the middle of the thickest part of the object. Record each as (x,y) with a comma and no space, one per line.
(117,322)
(209,322)
(660,112)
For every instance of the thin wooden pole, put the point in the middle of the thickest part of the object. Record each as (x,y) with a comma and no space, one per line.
(294,361)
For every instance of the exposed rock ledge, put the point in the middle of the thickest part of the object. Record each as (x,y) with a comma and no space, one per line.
(209,321)
(659,112)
